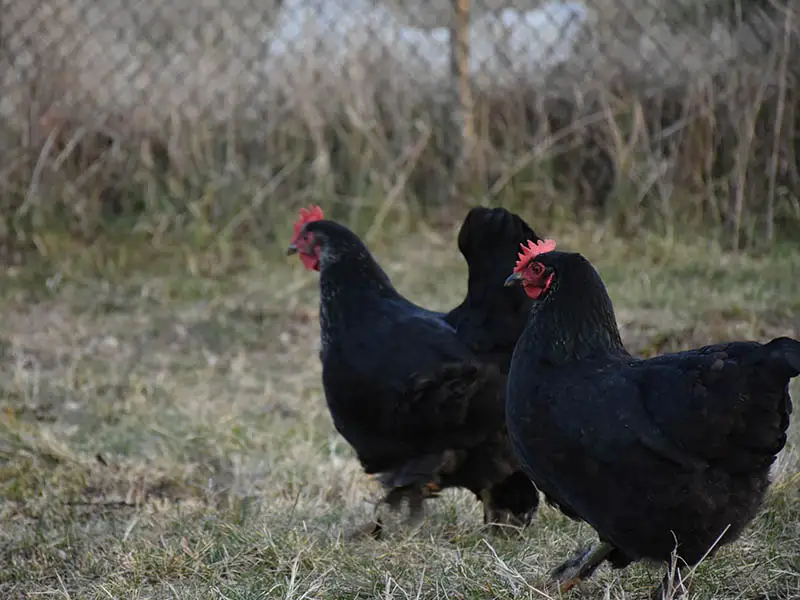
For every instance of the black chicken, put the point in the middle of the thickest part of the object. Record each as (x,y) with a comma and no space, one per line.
(652,452)
(417,405)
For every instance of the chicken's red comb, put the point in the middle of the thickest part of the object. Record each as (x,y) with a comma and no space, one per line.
(532,250)
(307,215)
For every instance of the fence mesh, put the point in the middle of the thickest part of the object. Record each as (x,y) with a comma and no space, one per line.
(148,61)
(249,66)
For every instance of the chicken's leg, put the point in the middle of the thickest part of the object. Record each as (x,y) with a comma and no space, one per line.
(374,529)
(498,520)
(416,511)
(414,496)
(488,509)
(580,567)
(673,585)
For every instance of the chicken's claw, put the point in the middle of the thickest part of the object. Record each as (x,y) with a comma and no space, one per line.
(431,490)
(580,567)
(569,584)
(372,529)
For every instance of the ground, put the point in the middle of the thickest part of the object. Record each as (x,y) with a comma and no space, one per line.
(164,434)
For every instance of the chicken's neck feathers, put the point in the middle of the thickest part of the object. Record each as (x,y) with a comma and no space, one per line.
(349,290)
(575,321)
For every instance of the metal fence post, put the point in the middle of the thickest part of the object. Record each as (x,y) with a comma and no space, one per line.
(459,71)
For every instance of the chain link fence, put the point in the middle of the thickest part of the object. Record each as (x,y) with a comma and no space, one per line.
(162,69)
(148,60)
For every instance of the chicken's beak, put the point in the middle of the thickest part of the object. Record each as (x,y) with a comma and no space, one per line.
(513,279)
(292,249)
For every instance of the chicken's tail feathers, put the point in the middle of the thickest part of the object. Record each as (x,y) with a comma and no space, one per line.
(787,352)
(767,420)
(484,228)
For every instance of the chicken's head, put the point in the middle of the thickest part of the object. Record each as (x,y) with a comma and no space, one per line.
(535,276)
(321,243)
(303,241)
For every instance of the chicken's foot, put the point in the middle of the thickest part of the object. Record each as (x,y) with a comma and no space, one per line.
(580,567)
(373,529)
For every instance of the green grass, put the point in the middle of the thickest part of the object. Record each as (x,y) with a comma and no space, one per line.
(164,434)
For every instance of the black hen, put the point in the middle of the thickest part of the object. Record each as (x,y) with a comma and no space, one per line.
(491,317)
(409,396)
(649,452)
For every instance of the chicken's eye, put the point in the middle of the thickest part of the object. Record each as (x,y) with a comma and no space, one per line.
(308,239)
(537,268)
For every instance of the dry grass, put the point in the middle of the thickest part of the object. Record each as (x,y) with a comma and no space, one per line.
(164,434)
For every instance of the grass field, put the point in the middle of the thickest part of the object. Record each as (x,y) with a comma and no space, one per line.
(164,434)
